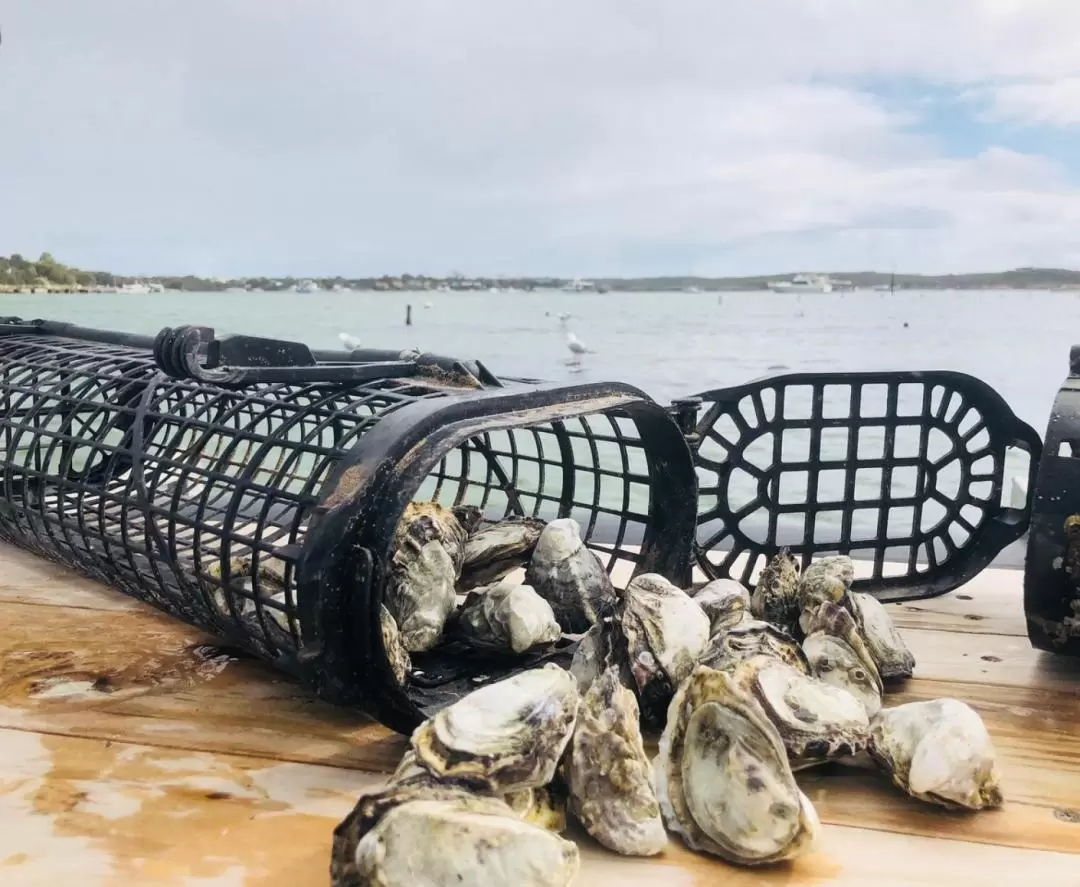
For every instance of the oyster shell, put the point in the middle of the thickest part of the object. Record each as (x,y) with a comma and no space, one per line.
(271,575)
(723,779)
(891,655)
(753,639)
(775,598)
(540,806)
(825,580)
(507,616)
(409,770)
(593,652)
(937,751)
(569,576)
(453,838)
(469,516)
(608,773)
(816,721)
(838,656)
(396,654)
(505,736)
(665,633)
(493,552)
(429,547)
(370,809)
(725,601)
(423,522)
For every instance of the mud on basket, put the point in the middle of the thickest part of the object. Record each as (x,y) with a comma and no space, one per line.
(261,490)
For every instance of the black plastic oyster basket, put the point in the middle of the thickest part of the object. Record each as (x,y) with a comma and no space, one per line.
(252,487)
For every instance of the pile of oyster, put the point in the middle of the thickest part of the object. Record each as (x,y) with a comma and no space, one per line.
(745,690)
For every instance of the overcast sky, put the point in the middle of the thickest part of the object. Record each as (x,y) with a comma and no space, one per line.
(581,137)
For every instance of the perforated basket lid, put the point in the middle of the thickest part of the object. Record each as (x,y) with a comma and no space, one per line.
(905,470)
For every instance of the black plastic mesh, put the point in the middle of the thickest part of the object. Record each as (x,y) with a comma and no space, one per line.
(193,498)
(198,499)
(905,470)
(592,468)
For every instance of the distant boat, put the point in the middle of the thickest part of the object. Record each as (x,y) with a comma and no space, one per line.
(803,283)
(307,286)
(135,289)
(580,286)
(692,289)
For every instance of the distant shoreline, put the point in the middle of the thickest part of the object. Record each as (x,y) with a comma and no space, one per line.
(46,275)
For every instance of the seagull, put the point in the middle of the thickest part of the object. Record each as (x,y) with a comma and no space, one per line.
(576,346)
(350,342)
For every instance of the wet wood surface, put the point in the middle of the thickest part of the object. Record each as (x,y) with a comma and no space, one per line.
(132,751)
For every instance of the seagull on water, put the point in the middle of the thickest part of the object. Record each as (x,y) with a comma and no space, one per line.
(576,346)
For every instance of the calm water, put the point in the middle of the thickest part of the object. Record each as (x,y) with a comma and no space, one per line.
(670,344)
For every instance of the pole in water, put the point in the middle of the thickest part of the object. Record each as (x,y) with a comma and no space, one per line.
(408,315)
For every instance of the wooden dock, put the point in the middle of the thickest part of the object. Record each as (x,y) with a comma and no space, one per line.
(132,754)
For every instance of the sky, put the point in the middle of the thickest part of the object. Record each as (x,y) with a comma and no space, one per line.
(569,137)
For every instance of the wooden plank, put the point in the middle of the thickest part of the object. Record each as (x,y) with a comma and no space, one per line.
(1001,660)
(96,813)
(246,709)
(991,603)
(30,579)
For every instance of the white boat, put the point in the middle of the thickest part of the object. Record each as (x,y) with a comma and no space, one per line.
(579,286)
(803,283)
(307,286)
(135,289)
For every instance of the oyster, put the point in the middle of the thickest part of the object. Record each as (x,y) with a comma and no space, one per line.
(937,751)
(429,547)
(469,516)
(725,601)
(540,806)
(569,576)
(752,639)
(825,580)
(271,576)
(816,721)
(891,655)
(409,770)
(723,779)
(505,736)
(593,653)
(838,656)
(507,616)
(776,596)
(495,551)
(665,633)
(451,837)
(370,809)
(423,522)
(611,789)
(396,655)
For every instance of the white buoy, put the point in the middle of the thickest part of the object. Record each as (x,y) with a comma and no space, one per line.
(350,342)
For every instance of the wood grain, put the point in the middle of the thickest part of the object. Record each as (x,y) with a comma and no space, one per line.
(132,753)
(98,813)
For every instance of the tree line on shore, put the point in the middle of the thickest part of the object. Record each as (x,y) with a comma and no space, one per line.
(17,272)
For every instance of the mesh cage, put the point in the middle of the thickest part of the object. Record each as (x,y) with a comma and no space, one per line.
(1052,566)
(904,470)
(264,513)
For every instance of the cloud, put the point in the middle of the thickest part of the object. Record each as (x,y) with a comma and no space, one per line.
(615,136)
(1052,103)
